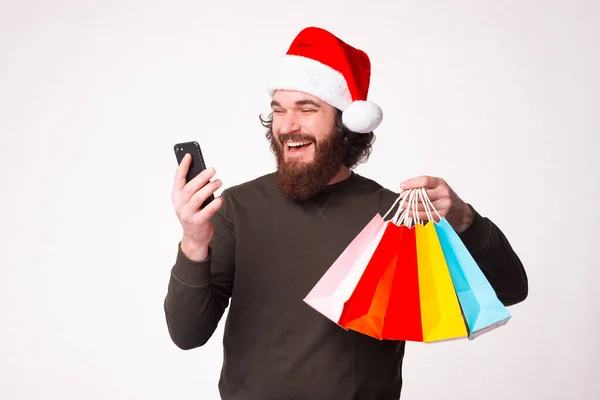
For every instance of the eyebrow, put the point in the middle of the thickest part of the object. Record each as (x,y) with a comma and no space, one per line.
(298,103)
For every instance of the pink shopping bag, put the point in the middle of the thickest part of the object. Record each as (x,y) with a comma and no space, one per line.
(337,284)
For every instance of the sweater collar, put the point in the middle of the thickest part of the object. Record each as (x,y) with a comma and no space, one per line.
(342,185)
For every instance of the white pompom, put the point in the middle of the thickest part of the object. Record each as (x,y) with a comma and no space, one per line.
(362,116)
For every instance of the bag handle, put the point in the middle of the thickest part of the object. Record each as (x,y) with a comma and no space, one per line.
(405,195)
(400,197)
(425,205)
(402,217)
(416,207)
(428,205)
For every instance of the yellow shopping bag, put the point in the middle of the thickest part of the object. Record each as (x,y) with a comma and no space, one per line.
(441,314)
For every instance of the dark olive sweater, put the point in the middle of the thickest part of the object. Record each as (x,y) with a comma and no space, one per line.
(266,255)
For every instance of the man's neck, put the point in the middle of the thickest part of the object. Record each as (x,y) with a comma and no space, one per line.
(343,174)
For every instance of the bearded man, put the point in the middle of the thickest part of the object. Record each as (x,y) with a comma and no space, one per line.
(261,246)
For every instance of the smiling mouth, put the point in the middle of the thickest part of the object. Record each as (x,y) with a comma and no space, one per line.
(298,146)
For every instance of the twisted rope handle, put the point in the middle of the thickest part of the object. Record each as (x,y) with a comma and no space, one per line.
(401,198)
(428,205)
(402,218)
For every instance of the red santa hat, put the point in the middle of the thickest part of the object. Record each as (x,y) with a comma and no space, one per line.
(320,64)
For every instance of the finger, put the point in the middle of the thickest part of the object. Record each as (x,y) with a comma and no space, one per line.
(181,173)
(428,182)
(204,193)
(422,215)
(441,192)
(420,206)
(196,184)
(442,204)
(211,208)
(432,195)
(439,207)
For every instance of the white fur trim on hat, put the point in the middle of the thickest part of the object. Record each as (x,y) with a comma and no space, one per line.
(309,76)
(362,116)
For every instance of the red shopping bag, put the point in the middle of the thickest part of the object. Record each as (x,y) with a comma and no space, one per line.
(365,310)
(403,314)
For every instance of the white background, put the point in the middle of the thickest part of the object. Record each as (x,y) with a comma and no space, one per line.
(499,98)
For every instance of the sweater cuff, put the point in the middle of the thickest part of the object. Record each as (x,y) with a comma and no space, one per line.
(190,272)
(477,235)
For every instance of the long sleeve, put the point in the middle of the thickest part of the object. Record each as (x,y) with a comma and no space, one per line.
(496,258)
(199,292)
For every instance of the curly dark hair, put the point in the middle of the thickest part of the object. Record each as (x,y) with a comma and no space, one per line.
(357,146)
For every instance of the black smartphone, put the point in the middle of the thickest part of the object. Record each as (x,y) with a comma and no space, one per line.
(197,165)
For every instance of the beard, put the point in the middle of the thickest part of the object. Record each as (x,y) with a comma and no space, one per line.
(299,180)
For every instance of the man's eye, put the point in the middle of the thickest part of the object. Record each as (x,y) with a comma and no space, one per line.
(307,110)
(278,111)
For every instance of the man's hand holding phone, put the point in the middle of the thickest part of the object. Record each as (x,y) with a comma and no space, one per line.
(188,198)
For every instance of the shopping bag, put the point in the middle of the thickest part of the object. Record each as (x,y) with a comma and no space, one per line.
(441,314)
(337,284)
(365,309)
(403,314)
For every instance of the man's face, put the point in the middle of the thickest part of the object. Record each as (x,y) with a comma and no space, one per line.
(308,147)
(300,122)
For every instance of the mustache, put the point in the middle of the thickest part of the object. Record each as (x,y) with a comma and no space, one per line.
(296,137)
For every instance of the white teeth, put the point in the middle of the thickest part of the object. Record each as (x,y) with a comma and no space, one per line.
(297,144)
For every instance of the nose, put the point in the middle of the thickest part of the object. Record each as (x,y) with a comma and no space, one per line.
(288,123)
